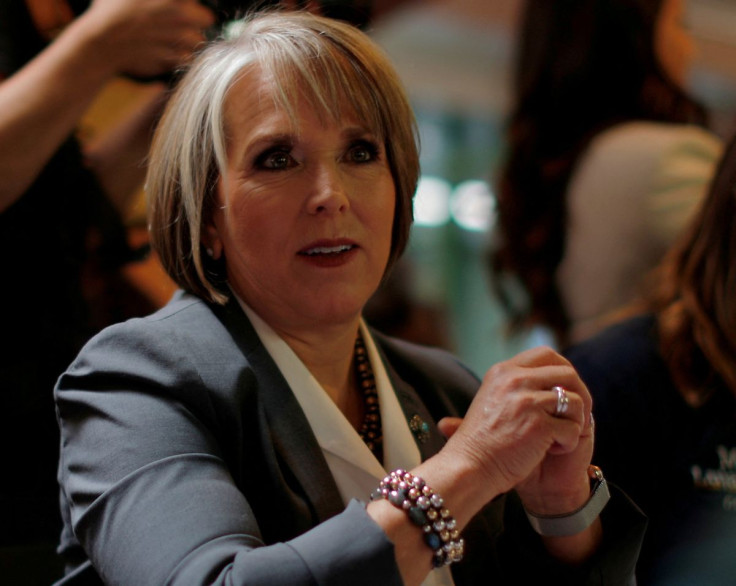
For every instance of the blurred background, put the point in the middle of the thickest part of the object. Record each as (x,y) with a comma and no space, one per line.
(454,57)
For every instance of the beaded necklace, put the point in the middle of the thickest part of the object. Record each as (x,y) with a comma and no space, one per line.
(370,430)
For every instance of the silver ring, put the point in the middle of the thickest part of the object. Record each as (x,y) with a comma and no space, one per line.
(563,401)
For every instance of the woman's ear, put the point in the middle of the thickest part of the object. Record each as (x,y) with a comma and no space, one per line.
(210,236)
(211,241)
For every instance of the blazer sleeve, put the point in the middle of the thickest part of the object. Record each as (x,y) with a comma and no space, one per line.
(152,500)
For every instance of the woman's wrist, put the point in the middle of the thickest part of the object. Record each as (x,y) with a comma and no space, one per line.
(578,519)
(464,488)
(426,509)
(90,39)
(575,535)
(562,502)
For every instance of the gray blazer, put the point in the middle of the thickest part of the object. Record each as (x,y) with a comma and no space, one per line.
(186,459)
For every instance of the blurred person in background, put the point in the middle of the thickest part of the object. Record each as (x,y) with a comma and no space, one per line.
(61,211)
(608,157)
(664,392)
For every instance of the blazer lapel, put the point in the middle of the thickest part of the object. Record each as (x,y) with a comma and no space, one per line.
(296,447)
(424,429)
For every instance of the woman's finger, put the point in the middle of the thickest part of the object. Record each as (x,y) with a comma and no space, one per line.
(512,378)
(449,425)
(538,356)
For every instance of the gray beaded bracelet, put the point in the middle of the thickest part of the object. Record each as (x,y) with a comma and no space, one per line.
(426,510)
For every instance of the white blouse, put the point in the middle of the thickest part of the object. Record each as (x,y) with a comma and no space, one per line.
(356,470)
(632,193)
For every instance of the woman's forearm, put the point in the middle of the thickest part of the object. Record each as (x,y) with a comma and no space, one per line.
(42,103)
(118,156)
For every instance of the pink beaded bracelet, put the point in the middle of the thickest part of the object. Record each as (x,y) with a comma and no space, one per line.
(426,510)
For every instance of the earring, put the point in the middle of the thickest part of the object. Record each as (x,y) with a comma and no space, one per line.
(209,252)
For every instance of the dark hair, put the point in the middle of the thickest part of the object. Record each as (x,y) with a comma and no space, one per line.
(582,66)
(694,293)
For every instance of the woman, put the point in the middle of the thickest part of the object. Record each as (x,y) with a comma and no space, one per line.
(245,425)
(607,158)
(668,379)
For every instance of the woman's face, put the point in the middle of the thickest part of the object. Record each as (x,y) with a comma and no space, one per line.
(304,214)
(674,45)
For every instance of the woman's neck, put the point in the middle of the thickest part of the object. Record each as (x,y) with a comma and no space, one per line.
(329,357)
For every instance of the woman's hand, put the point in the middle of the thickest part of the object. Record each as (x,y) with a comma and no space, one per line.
(146,38)
(42,103)
(514,440)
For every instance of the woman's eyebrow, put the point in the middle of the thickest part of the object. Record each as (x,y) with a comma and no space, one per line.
(358,132)
(268,138)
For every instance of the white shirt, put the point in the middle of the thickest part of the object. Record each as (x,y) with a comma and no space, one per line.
(356,470)
(634,190)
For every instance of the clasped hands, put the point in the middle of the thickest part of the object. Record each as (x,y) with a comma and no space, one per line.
(513,436)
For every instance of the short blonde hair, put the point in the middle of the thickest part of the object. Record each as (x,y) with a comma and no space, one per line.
(338,68)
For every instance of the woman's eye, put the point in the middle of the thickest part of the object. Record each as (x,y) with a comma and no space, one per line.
(363,152)
(275,160)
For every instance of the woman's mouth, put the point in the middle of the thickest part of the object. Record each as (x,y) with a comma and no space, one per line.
(327,250)
(328,254)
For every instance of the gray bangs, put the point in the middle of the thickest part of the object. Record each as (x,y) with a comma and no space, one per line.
(318,69)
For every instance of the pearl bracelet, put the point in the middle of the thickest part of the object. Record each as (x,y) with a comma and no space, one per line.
(426,510)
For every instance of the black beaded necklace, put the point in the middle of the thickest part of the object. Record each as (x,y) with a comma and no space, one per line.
(370,430)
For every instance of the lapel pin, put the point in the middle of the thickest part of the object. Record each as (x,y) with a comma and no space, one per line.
(419,428)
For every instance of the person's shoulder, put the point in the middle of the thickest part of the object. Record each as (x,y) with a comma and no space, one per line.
(183,347)
(630,337)
(625,354)
(631,159)
(186,321)
(655,139)
(635,131)
(180,306)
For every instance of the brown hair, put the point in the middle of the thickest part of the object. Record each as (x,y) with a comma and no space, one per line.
(694,296)
(582,67)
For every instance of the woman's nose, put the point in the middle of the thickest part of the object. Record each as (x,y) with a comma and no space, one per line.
(329,192)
